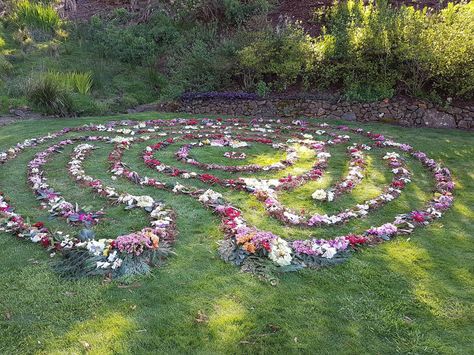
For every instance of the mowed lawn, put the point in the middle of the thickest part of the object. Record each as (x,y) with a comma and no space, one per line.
(410,295)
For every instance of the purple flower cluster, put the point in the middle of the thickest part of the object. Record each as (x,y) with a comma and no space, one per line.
(314,246)
(134,243)
(386,229)
(189,96)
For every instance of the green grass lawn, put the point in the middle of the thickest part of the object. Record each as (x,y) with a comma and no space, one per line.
(411,295)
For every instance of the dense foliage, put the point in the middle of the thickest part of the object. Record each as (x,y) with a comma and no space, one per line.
(368,51)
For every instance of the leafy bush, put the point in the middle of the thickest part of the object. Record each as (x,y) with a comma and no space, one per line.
(370,49)
(36,15)
(86,105)
(130,44)
(199,62)
(449,46)
(278,57)
(50,96)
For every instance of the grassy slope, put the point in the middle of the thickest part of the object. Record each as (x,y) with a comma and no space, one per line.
(116,86)
(409,295)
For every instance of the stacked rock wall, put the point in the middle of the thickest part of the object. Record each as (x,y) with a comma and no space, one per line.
(399,110)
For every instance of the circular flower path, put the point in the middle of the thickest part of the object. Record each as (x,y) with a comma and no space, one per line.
(264,160)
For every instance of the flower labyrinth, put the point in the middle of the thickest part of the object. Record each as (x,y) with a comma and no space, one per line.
(243,244)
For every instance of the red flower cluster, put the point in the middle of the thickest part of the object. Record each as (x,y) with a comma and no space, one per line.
(45,242)
(418,216)
(231,212)
(286,179)
(176,172)
(209,178)
(398,184)
(38,225)
(355,240)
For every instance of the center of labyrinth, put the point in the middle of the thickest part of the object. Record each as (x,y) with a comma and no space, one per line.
(290,194)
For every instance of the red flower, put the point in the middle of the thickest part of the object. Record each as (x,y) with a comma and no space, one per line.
(356,240)
(266,245)
(192,122)
(230,223)
(175,172)
(231,212)
(170,140)
(398,184)
(38,225)
(209,178)
(45,242)
(289,178)
(418,216)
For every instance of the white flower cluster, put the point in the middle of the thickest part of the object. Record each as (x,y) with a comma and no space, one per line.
(280,252)
(262,184)
(210,196)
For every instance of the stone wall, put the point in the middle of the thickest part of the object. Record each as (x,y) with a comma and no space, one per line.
(399,110)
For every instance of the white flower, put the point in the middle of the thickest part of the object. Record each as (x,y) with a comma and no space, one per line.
(319,195)
(145,201)
(209,196)
(280,252)
(117,263)
(157,212)
(178,187)
(292,218)
(330,196)
(391,155)
(96,247)
(329,253)
(36,238)
(323,155)
(102,265)
(112,256)
(238,144)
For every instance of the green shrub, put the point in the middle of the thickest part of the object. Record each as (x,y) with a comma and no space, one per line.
(449,43)
(86,105)
(199,62)
(262,89)
(50,96)
(130,44)
(370,50)
(279,57)
(36,15)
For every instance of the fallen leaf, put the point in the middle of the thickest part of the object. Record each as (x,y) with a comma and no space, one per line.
(85,344)
(201,317)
